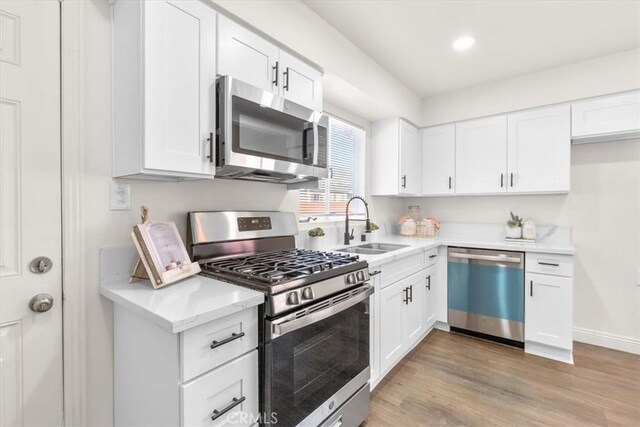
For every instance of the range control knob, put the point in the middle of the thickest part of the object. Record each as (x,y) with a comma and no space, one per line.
(360,276)
(292,298)
(307,293)
(351,279)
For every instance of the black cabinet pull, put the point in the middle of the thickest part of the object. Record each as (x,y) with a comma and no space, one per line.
(404,181)
(432,256)
(374,273)
(275,74)
(405,299)
(550,264)
(210,139)
(531,289)
(512,179)
(501,180)
(217,414)
(411,293)
(449,183)
(429,282)
(233,337)
(286,80)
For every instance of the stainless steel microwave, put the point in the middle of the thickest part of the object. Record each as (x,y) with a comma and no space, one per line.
(265,137)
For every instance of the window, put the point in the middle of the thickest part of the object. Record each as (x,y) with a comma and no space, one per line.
(346,173)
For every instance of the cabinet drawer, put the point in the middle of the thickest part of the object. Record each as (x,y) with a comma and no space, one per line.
(431,257)
(233,386)
(556,265)
(197,354)
(401,268)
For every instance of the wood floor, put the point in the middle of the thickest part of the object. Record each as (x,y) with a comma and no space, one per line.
(452,379)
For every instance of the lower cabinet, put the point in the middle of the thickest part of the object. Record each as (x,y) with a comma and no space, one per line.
(548,314)
(401,320)
(429,299)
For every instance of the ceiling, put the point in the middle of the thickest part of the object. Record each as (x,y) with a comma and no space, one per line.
(412,39)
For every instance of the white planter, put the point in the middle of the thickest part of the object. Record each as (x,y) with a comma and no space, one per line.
(317,243)
(514,232)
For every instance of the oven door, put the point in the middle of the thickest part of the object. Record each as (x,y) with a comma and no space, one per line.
(260,130)
(317,358)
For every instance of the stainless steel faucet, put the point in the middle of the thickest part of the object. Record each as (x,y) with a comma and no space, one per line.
(367,229)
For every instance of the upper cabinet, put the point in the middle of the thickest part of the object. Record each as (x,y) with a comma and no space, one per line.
(163,89)
(481,156)
(607,118)
(539,150)
(438,151)
(395,158)
(246,56)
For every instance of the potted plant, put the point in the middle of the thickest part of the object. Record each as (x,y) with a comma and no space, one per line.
(373,236)
(514,227)
(316,239)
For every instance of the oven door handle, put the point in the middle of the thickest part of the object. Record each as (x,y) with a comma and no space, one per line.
(279,329)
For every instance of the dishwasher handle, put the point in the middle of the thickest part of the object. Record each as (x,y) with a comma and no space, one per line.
(496,258)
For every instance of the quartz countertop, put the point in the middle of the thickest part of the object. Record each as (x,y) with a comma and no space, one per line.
(176,307)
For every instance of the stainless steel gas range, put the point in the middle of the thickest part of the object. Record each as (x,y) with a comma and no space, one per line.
(314,325)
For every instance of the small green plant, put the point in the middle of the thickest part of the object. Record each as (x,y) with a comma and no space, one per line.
(515,221)
(373,226)
(316,232)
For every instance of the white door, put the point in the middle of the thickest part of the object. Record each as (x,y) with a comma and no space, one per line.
(430,296)
(438,160)
(413,317)
(179,86)
(548,308)
(481,156)
(246,56)
(539,150)
(409,176)
(301,83)
(392,302)
(30,342)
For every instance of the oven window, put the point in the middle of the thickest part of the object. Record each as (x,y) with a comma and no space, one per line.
(310,364)
(265,132)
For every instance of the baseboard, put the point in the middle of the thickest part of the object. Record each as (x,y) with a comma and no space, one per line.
(443,326)
(615,342)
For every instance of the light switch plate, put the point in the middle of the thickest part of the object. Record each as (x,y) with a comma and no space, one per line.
(119,196)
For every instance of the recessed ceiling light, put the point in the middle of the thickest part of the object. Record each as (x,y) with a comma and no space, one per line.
(464,43)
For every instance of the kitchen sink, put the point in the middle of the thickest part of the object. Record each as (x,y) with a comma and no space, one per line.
(373,248)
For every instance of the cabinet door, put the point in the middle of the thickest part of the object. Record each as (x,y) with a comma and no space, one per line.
(481,156)
(301,83)
(607,115)
(413,315)
(539,150)
(179,91)
(438,148)
(548,310)
(409,174)
(246,56)
(392,303)
(430,296)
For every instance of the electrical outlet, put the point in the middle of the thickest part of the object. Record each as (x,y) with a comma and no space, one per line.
(119,196)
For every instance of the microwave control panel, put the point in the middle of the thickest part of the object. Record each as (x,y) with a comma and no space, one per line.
(254,223)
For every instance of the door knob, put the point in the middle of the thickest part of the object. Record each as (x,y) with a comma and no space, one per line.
(41,303)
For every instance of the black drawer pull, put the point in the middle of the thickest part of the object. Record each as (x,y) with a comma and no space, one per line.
(233,336)
(375,273)
(432,256)
(551,264)
(217,414)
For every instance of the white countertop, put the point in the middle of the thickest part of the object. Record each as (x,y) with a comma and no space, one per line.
(176,307)
(416,244)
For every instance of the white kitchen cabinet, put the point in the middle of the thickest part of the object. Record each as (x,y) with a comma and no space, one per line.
(395,158)
(246,56)
(481,156)
(430,298)
(539,150)
(392,303)
(413,322)
(438,150)
(163,89)
(606,118)
(374,329)
(548,310)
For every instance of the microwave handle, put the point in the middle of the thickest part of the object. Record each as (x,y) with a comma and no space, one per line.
(305,142)
(315,143)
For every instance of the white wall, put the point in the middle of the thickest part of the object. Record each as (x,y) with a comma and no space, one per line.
(603,206)
(352,79)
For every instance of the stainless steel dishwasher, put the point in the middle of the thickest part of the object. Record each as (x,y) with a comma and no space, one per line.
(486,293)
